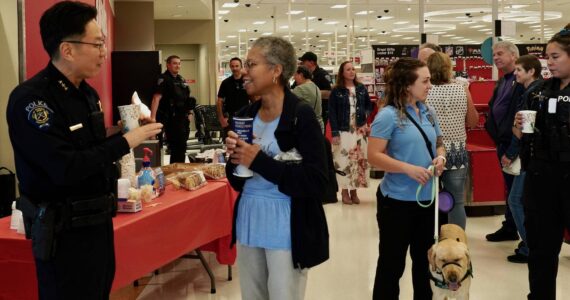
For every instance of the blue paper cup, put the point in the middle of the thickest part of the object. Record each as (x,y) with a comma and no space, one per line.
(244,129)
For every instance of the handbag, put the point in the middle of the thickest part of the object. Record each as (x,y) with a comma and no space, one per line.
(7,192)
(514,168)
(446,199)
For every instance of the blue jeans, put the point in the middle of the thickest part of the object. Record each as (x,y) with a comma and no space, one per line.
(508,223)
(454,182)
(517,208)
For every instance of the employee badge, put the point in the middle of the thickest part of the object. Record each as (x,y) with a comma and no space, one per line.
(39,114)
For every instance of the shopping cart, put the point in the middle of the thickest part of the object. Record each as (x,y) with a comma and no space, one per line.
(208,127)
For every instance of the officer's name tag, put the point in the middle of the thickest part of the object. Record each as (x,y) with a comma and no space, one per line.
(552,105)
(75,127)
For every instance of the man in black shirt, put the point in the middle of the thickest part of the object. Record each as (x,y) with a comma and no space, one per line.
(321,78)
(171,106)
(231,96)
(65,158)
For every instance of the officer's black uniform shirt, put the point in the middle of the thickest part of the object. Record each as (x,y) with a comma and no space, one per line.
(54,161)
(234,95)
(551,90)
(175,101)
(322,79)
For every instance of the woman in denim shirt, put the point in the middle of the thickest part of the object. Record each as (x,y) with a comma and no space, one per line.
(349,106)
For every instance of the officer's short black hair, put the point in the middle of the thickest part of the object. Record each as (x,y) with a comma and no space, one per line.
(238,59)
(62,20)
(171,57)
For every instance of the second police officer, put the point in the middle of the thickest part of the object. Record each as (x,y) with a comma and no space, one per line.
(547,161)
(171,106)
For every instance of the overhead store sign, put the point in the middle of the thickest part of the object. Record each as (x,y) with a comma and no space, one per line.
(454,51)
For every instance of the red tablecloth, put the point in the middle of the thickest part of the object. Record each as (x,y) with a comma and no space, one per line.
(181,222)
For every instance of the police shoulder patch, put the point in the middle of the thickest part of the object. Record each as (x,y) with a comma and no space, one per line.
(39,114)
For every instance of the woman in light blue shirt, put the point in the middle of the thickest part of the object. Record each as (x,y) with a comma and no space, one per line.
(396,146)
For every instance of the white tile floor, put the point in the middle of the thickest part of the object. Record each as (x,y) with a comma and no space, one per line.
(349,274)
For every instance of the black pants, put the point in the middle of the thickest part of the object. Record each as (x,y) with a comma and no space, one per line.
(83,267)
(177,133)
(402,224)
(547,212)
(509,222)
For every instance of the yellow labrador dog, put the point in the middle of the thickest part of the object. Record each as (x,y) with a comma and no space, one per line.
(450,265)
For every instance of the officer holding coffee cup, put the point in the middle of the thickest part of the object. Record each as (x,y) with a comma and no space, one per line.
(547,183)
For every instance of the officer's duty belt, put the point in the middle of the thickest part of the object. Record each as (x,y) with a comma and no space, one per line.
(89,211)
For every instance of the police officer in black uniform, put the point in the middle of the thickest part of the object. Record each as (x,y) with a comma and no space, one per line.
(171,106)
(65,159)
(321,78)
(231,96)
(546,158)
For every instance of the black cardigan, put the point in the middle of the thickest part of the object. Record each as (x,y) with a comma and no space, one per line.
(305,183)
(502,133)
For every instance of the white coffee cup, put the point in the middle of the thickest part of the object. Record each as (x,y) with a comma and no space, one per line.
(529,117)
(130,115)
(243,172)
(15,220)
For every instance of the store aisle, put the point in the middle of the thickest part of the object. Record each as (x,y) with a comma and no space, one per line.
(349,274)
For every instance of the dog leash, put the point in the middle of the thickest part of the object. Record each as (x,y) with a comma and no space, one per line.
(434,199)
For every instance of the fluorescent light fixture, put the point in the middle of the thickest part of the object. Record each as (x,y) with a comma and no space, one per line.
(449,35)
(466,23)
(287,36)
(310,30)
(231,36)
(535,26)
(229,4)
(295,12)
(258,22)
(484,30)
(439,32)
(176,15)
(310,18)
(233,46)
(407,38)
(385,18)
(339,6)
(364,12)
(323,41)
(306,39)
(401,22)
(242,30)
(477,26)
(221,42)
(342,36)
(396,35)
(382,42)
(456,37)
(416,40)
(326,33)
(283,26)
(223,12)
(267,33)
(331,23)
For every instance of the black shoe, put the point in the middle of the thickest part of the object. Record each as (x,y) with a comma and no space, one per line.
(502,235)
(518,258)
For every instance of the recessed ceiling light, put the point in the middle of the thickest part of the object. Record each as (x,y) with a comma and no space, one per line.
(223,12)
(229,4)
(295,12)
(258,22)
(338,6)
(331,23)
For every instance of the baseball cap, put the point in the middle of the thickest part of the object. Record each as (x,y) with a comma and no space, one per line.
(308,56)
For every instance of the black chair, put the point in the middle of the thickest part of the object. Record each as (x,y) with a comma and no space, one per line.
(209,129)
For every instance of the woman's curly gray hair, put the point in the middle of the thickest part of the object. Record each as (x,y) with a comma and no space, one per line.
(278,51)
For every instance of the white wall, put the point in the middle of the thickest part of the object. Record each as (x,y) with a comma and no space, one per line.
(9,77)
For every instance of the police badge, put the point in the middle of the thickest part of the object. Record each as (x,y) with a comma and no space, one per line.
(39,114)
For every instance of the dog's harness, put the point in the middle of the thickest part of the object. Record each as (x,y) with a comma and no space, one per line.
(440,283)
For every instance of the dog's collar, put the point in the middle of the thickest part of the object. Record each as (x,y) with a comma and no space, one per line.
(440,283)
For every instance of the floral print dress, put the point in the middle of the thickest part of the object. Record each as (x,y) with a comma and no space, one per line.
(350,155)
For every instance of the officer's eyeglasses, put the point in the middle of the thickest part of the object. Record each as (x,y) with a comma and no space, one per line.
(99,45)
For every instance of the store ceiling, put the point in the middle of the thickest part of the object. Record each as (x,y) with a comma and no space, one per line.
(398,23)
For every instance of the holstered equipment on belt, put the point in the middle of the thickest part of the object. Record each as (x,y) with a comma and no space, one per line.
(43,221)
